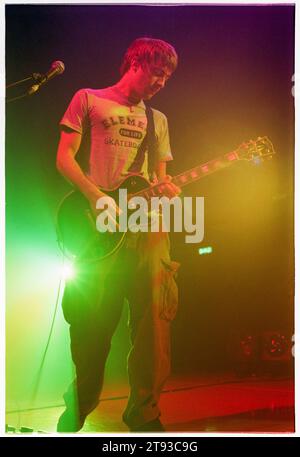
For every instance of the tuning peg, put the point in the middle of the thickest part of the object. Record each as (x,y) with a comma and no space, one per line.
(256,160)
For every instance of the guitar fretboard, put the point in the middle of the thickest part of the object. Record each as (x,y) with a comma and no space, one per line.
(193,174)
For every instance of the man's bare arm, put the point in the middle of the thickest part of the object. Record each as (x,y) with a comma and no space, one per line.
(168,188)
(68,147)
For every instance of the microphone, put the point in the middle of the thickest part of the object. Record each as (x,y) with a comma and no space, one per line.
(57,68)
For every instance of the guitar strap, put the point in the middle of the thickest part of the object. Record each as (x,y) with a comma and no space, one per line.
(148,143)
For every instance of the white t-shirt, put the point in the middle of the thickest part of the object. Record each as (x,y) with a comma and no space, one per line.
(116,130)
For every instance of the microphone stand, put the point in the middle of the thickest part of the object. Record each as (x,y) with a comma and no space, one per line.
(35,76)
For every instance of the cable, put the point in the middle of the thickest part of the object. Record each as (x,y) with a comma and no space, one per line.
(39,372)
(16,98)
(177,389)
(37,377)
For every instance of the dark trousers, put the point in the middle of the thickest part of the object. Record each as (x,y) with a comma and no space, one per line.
(143,273)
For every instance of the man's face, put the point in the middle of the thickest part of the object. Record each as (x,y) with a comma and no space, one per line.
(150,79)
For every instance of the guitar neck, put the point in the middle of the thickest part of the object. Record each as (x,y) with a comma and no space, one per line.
(194,174)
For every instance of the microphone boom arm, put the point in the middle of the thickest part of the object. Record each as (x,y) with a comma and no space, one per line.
(35,76)
(57,68)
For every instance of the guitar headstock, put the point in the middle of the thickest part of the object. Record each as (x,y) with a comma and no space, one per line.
(256,150)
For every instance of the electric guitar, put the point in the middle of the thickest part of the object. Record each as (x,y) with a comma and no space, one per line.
(78,236)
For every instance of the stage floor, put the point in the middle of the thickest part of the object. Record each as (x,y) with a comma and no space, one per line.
(200,404)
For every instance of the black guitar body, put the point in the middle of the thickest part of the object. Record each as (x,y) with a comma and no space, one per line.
(78,236)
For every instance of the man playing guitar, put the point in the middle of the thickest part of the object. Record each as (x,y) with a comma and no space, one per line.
(141,271)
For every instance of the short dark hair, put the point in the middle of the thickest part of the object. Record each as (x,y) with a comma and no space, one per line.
(149,50)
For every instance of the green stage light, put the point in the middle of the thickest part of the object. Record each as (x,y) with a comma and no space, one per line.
(205,250)
(67,271)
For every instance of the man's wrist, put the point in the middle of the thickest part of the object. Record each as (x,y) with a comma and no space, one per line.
(90,190)
(93,195)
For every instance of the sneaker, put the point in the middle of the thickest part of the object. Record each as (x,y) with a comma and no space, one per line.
(152,426)
(69,422)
